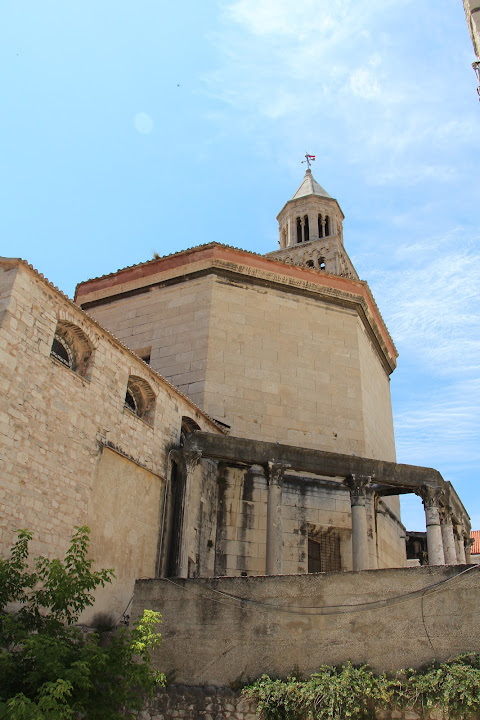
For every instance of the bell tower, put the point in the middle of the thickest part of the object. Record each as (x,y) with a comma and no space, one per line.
(311,231)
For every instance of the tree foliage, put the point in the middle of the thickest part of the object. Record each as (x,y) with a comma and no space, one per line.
(49,668)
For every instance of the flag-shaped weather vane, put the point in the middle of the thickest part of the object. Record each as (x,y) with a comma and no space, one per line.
(308,159)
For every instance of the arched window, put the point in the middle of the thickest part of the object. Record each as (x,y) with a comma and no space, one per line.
(320,226)
(71,347)
(61,351)
(327,225)
(321,263)
(306,229)
(299,230)
(188,426)
(310,264)
(140,398)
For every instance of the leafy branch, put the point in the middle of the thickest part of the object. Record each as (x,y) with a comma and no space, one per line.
(49,669)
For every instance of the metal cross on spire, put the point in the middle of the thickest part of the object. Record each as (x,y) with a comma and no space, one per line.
(308,159)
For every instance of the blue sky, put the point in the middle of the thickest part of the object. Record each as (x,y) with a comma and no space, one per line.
(133,128)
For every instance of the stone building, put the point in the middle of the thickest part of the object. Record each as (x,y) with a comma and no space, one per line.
(86,427)
(472,14)
(212,413)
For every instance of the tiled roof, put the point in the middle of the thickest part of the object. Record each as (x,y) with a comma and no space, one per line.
(310,186)
(186,251)
(475,536)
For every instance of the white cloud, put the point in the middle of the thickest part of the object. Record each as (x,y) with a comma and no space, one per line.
(333,69)
(430,299)
(282,17)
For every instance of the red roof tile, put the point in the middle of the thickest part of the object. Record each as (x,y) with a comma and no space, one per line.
(475,536)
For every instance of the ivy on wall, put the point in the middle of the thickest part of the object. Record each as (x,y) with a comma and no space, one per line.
(347,692)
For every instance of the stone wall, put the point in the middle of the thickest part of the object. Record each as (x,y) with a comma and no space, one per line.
(190,703)
(217,631)
(71,452)
(210,703)
(270,349)
(172,323)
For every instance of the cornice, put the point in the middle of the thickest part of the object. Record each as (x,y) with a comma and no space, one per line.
(255,269)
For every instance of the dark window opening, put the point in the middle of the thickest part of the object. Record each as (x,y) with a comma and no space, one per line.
(131,402)
(146,359)
(310,263)
(320,226)
(140,399)
(176,505)
(299,230)
(327,225)
(306,230)
(324,552)
(60,351)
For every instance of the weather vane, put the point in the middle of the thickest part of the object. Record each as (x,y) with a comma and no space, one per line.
(308,159)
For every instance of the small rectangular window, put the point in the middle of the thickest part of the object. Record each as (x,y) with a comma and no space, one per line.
(324,552)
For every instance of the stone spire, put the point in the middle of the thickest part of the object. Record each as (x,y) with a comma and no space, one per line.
(311,231)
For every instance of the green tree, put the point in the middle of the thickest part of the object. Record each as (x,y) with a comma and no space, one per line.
(49,668)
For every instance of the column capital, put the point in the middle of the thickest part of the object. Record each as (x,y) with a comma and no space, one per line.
(446,515)
(191,458)
(358,486)
(275,472)
(431,495)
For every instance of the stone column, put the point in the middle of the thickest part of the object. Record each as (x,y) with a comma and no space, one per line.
(190,462)
(274,518)
(460,543)
(431,502)
(302,229)
(448,538)
(358,485)
(468,547)
(371,509)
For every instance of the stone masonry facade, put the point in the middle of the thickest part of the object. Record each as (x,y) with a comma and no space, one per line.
(72,452)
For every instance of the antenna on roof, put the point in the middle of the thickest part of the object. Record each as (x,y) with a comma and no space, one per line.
(308,159)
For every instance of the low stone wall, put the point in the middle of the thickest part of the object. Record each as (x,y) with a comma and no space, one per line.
(188,703)
(179,702)
(223,631)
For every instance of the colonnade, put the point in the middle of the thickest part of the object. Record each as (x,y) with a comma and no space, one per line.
(446,537)
(447,540)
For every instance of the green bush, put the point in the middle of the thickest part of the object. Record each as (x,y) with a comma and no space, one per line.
(355,693)
(50,669)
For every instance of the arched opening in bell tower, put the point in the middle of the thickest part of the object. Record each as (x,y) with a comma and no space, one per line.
(299,230)
(306,229)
